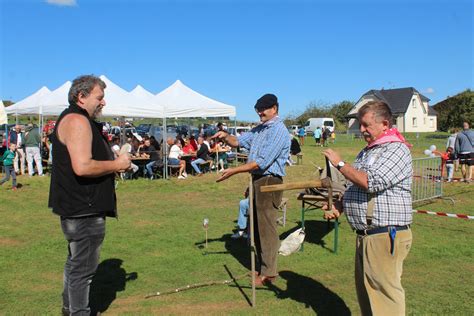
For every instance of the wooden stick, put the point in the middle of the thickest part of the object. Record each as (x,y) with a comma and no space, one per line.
(252,239)
(292,186)
(197,285)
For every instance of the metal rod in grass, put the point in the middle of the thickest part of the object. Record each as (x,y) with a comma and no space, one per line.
(205,224)
(196,285)
(252,239)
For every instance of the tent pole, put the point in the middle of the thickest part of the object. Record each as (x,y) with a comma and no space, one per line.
(165,148)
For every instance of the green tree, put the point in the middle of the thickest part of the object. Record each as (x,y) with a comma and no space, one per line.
(455,110)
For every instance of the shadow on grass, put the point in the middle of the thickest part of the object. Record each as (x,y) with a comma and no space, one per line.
(310,292)
(109,279)
(238,248)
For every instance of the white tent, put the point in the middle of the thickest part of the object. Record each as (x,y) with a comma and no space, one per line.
(121,103)
(30,104)
(118,102)
(3,114)
(150,109)
(141,92)
(56,101)
(182,101)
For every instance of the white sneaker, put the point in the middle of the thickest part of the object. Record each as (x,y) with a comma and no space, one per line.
(222,170)
(185,174)
(181,177)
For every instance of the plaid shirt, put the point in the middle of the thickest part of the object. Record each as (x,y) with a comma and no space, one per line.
(269,145)
(389,170)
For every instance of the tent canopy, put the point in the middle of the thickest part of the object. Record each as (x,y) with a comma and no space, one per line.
(3,114)
(119,102)
(30,104)
(181,101)
(56,101)
(177,100)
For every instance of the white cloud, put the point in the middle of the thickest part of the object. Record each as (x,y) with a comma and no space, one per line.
(429,90)
(62,3)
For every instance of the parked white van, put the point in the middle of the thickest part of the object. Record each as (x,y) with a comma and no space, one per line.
(313,123)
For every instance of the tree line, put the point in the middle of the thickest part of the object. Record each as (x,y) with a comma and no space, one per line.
(455,110)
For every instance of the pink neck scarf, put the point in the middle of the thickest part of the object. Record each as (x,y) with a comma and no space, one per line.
(389,136)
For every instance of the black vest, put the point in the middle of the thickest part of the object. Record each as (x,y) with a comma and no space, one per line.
(74,196)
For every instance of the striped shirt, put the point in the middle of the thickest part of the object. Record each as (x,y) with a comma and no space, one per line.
(269,146)
(389,170)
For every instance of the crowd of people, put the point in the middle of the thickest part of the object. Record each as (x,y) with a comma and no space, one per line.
(187,155)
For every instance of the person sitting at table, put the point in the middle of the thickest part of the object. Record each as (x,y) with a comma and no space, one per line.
(221,154)
(128,147)
(147,150)
(202,156)
(193,142)
(154,142)
(115,146)
(188,149)
(174,158)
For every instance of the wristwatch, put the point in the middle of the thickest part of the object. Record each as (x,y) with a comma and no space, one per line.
(340,165)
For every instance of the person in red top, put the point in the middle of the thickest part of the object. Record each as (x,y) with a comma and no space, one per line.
(193,143)
(188,148)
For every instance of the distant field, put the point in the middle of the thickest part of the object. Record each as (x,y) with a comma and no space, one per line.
(159,237)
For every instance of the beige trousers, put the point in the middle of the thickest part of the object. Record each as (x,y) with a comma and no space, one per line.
(19,156)
(267,240)
(378,273)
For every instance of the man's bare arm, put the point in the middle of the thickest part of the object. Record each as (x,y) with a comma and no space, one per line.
(75,132)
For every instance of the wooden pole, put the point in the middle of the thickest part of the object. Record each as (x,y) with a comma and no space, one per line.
(252,239)
(293,186)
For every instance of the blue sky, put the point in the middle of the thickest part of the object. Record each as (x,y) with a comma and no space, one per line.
(235,51)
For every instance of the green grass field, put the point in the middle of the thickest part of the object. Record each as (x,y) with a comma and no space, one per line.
(157,243)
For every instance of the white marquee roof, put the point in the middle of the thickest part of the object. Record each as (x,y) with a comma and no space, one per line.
(181,101)
(177,100)
(30,104)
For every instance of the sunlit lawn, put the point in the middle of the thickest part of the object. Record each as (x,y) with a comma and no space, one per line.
(159,236)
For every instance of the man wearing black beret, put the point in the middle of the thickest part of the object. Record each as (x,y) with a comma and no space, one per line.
(269,147)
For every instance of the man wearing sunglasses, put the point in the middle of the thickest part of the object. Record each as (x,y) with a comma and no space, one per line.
(269,147)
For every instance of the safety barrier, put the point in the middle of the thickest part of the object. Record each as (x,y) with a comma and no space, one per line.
(426,179)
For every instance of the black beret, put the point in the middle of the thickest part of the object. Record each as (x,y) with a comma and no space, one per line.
(266,102)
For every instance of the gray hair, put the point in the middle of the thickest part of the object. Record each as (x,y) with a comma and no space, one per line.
(84,85)
(380,109)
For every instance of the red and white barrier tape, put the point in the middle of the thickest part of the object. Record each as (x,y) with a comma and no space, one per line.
(463,216)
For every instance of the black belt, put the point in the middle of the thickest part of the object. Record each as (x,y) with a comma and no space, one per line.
(380,230)
(82,217)
(259,176)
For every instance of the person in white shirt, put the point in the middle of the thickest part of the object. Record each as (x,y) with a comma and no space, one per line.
(174,158)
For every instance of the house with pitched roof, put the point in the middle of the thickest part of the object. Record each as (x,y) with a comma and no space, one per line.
(410,109)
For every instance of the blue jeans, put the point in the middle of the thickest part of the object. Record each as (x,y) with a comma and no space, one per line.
(450,170)
(195,163)
(85,237)
(243,210)
(9,170)
(149,168)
